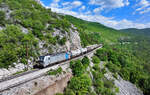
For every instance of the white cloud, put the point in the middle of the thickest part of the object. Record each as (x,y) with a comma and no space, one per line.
(107,21)
(65,3)
(126,2)
(109,4)
(143,7)
(71,5)
(55,4)
(76,3)
(82,8)
(97,10)
(88,13)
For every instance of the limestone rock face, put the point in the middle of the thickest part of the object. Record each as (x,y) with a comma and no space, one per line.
(6,9)
(125,87)
(75,40)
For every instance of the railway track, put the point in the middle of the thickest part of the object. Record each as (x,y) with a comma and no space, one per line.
(13,81)
(18,75)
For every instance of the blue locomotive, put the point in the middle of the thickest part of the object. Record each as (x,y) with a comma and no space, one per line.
(45,61)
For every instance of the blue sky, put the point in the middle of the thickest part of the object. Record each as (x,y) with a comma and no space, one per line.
(118,14)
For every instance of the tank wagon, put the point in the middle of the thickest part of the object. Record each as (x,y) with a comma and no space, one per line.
(47,60)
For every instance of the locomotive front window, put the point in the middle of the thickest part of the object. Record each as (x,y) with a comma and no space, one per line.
(41,58)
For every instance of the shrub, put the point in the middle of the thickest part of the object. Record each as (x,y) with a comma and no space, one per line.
(95,60)
(112,67)
(2,18)
(77,68)
(69,92)
(59,94)
(80,84)
(38,33)
(96,67)
(62,41)
(85,61)
(55,72)
(102,54)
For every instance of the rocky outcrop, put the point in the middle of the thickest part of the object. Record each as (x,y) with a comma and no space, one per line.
(6,9)
(73,42)
(125,87)
(7,72)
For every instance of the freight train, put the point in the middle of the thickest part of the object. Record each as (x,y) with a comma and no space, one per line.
(48,60)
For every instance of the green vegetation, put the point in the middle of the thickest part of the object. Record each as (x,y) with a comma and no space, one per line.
(40,23)
(55,72)
(77,68)
(81,83)
(95,60)
(134,31)
(125,61)
(62,41)
(59,94)
(2,18)
(20,72)
(102,85)
(13,43)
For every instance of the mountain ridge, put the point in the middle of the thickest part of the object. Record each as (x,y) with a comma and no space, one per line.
(145,31)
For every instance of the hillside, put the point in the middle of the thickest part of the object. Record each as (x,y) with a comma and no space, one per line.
(28,30)
(26,26)
(92,32)
(125,53)
(144,32)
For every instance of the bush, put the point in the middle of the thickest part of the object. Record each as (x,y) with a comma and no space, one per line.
(69,92)
(59,94)
(112,67)
(55,72)
(77,68)
(102,54)
(62,41)
(95,60)
(2,18)
(96,67)
(85,61)
(80,84)
(38,34)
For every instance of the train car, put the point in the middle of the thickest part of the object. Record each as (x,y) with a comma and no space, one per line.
(75,52)
(83,50)
(89,48)
(45,61)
